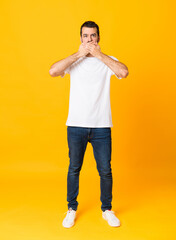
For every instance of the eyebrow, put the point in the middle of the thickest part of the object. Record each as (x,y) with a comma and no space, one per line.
(91,34)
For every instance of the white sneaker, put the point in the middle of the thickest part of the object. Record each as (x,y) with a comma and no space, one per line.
(112,220)
(69,220)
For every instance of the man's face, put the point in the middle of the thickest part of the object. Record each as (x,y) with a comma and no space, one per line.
(89,34)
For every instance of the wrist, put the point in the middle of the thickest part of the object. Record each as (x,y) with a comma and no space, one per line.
(76,56)
(100,55)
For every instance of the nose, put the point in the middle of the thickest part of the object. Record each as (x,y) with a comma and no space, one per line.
(89,38)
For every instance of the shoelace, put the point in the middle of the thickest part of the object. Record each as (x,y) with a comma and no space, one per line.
(69,215)
(111,213)
(68,211)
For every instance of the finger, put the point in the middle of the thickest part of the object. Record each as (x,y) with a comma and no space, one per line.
(90,43)
(89,47)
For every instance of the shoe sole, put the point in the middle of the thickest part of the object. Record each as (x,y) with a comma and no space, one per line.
(68,226)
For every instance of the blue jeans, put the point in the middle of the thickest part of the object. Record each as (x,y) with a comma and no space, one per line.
(100,138)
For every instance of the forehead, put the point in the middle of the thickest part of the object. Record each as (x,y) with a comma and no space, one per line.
(87,30)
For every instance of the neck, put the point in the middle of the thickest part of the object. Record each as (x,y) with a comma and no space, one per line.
(89,55)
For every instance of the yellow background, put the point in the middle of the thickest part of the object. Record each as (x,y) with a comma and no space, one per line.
(34,109)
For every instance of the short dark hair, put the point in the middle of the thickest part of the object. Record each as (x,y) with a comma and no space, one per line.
(89,24)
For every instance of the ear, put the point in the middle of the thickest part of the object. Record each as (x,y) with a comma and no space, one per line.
(81,39)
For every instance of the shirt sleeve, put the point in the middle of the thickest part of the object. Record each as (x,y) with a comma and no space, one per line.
(70,68)
(111,72)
